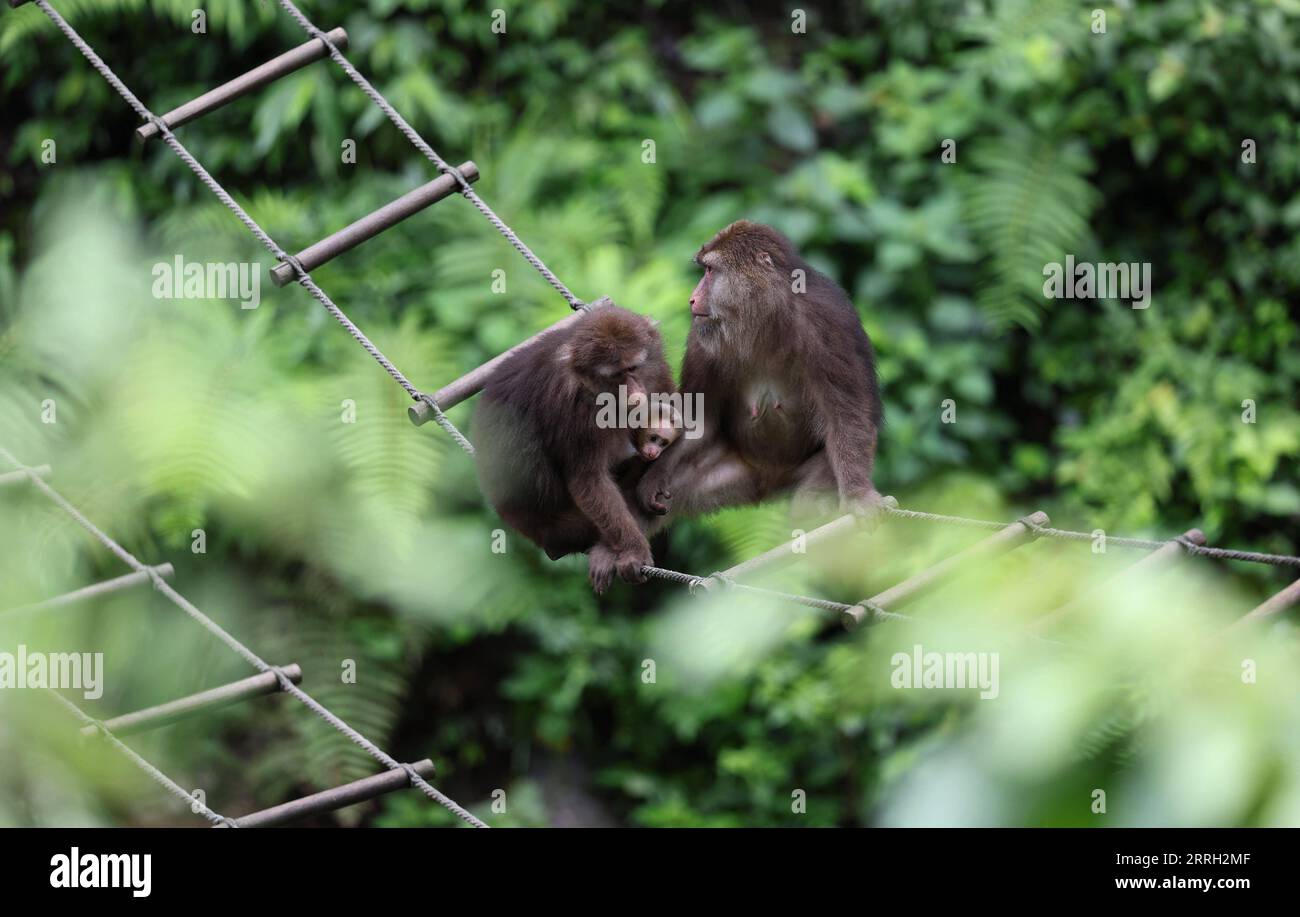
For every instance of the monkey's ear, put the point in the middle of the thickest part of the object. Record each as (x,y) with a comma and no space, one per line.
(654,323)
(764,259)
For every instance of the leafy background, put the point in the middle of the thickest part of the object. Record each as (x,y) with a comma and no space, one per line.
(368,542)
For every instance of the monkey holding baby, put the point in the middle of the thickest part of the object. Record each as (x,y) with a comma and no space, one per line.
(550,469)
(791,404)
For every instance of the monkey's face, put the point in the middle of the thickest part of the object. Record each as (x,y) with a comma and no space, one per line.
(664,428)
(619,368)
(652,446)
(736,287)
(609,350)
(704,298)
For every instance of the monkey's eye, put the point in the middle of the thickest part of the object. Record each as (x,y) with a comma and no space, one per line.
(657,440)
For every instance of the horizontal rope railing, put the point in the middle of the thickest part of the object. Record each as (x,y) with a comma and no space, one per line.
(720,580)
(1145,544)
(1007,539)
(1153,563)
(243,651)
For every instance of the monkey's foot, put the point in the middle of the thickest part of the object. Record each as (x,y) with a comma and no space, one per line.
(653,498)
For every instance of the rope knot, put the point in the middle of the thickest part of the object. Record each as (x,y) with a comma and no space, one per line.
(726,581)
(860,612)
(294,263)
(163,129)
(708,583)
(155,578)
(447,168)
(285,682)
(411,774)
(1035,529)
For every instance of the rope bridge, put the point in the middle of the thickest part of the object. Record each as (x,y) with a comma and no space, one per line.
(1006,536)
(285,679)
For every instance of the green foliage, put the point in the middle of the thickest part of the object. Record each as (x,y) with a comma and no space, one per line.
(368,541)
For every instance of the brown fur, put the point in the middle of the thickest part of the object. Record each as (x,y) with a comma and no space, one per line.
(545,464)
(791,399)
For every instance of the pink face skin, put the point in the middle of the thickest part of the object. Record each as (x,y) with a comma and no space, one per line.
(700,295)
(662,433)
(654,441)
(699,298)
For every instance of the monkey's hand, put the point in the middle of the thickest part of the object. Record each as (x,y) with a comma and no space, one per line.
(600,568)
(630,562)
(867,508)
(653,495)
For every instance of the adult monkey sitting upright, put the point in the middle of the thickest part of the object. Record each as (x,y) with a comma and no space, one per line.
(788,378)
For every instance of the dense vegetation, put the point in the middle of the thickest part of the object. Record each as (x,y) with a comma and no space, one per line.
(367,541)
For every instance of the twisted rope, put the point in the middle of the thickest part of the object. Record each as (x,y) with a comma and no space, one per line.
(243,651)
(703,584)
(158,776)
(1146,544)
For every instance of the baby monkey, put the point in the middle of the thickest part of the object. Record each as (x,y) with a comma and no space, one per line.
(662,426)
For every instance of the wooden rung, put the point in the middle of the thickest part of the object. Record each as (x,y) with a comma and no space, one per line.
(470,384)
(1007,539)
(371,225)
(1287,598)
(1147,566)
(784,552)
(259,76)
(335,798)
(93,591)
(19,477)
(773,558)
(203,701)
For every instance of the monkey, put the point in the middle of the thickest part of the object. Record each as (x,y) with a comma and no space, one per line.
(791,400)
(544,461)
